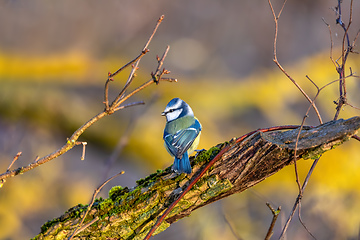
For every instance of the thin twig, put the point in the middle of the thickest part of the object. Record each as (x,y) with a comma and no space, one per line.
(203,171)
(275,214)
(331,45)
(151,81)
(83,227)
(342,99)
(276,18)
(143,52)
(312,103)
(356,137)
(146,46)
(298,136)
(14,160)
(96,192)
(111,75)
(299,197)
(72,141)
(301,190)
(83,150)
(130,105)
(158,74)
(295,153)
(123,140)
(115,103)
(356,37)
(232,228)
(148,83)
(344,55)
(302,222)
(352,106)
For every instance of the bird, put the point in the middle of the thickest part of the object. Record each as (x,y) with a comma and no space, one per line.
(181,133)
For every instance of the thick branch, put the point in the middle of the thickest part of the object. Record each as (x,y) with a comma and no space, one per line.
(130,213)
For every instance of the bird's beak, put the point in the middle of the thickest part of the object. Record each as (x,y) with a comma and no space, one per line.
(163,114)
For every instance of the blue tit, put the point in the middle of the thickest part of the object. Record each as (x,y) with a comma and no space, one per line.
(181,133)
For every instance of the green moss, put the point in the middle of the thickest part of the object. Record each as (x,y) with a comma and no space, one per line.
(150,180)
(215,188)
(123,229)
(73,212)
(115,192)
(206,156)
(168,185)
(105,204)
(144,214)
(199,183)
(318,151)
(61,235)
(159,171)
(126,212)
(164,225)
(129,199)
(48,224)
(140,181)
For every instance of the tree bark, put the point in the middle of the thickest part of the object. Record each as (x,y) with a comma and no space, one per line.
(130,213)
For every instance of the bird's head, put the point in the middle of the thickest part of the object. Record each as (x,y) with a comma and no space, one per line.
(175,109)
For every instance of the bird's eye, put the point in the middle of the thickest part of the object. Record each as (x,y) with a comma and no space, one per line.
(171,110)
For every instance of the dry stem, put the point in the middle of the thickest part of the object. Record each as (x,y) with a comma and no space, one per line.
(109,109)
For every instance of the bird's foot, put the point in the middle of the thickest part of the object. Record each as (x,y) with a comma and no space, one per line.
(199,151)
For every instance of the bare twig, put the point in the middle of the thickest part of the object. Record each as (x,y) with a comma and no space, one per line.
(83,227)
(120,99)
(331,45)
(123,140)
(275,214)
(158,74)
(96,192)
(295,154)
(232,229)
(299,197)
(356,137)
(83,150)
(301,189)
(117,101)
(312,102)
(129,105)
(14,160)
(346,49)
(302,222)
(109,109)
(342,100)
(266,153)
(203,171)
(111,75)
(276,18)
(355,38)
(145,47)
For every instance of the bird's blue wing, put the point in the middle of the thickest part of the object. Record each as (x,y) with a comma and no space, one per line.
(182,140)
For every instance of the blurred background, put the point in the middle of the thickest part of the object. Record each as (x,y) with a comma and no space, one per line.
(54,60)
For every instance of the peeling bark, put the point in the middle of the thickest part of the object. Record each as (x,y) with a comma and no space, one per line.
(130,213)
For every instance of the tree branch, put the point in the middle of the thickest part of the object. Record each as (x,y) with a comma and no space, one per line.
(130,213)
(109,109)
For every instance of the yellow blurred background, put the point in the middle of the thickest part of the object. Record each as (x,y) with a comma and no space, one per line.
(54,60)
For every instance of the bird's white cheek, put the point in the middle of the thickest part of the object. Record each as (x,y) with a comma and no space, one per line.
(173,115)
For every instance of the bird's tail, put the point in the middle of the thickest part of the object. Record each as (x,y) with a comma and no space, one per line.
(182,165)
